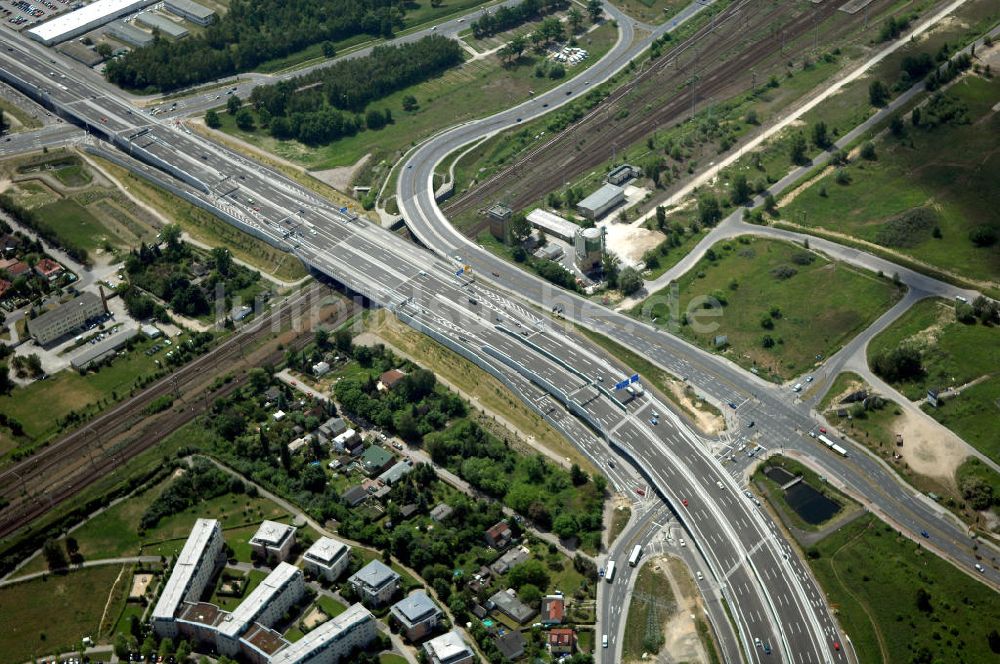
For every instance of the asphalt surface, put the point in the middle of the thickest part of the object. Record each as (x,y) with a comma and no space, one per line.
(769,592)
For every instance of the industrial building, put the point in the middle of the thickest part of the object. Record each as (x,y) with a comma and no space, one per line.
(273,539)
(202,553)
(589,246)
(166,27)
(417,615)
(102,349)
(130,34)
(190,11)
(332,641)
(601,201)
(552,224)
(375,583)
(499,216)
(327,558)
(449,648)
(83,20)
(65,318)
(622,174)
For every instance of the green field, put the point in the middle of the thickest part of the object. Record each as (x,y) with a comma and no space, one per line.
(115,532)
(651,11)
(51,615)
(924,193)
(809,302)
(68,392)
(873,576)
(619,519)
(945,346)
(74,223)
(472,90)
(657,595)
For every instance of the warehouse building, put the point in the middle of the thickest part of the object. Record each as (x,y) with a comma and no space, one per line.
(102,349)
(166,27)
(194,567)
(333,641)
(85,19)
(190,11)
(130,34)
(65,318)
(327,558)
(601,201)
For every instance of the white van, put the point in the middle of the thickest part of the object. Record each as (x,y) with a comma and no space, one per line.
(604,641)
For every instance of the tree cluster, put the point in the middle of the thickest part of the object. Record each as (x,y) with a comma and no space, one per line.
(251,32)
(202,481)
(327,103)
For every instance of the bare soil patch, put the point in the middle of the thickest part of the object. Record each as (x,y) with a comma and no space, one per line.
(139,584)
(340,178)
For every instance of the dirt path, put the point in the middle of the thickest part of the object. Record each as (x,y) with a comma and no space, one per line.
(340,178)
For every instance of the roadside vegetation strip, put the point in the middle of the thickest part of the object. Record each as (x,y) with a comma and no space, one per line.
(651,605)
(924,608)
(22,121)
(207,228)
(928,347)
(772,306)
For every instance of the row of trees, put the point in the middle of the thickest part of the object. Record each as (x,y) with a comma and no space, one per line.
(505,18)
(251,32)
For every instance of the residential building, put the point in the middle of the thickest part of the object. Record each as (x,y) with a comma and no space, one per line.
(190,11)
(449,648)
(513,557)
(258,644)
(553,610)
(321,369)
(601,201)
(417,615)
(346,441)
(18,268)
(330,429)
(441,512)
(375,583)
(397,472)
(4,287)
(333,641)
(266,604)
(388,380)
(65,318)
(273,539)
(354,496)
(201,555)
(622,174)
(510,644)
(498,535)
(376,460)
(327,558)
(48,269)
(562,641)
(507,603)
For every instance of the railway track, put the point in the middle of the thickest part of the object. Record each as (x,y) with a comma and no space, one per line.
(715,63)
(60,471)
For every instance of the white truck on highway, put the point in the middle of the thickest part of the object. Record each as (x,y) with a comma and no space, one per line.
(609,573)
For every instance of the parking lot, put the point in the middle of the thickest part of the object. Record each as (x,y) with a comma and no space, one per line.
(21,14)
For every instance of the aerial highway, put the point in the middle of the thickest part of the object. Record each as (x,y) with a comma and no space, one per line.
(769,601)
(771,594)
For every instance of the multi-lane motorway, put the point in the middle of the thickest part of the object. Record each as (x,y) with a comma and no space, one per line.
(767,589)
